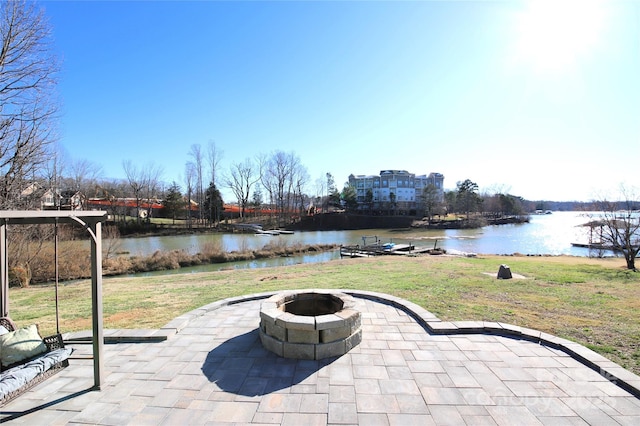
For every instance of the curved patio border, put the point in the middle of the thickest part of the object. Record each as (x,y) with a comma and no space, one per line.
(603,366)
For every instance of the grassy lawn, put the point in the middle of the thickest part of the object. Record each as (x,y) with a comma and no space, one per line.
(595,302)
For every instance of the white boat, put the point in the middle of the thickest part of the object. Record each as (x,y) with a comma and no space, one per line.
(275,232)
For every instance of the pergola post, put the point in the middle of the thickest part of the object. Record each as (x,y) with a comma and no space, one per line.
(4,270)
(96,304)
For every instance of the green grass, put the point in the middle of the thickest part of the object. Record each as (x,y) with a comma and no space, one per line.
(595,302)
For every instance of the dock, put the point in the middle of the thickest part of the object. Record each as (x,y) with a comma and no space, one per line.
(381,250)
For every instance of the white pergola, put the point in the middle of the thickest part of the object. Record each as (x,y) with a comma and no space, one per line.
(91,221)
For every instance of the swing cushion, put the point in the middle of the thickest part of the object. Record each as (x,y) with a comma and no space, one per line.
(19,345)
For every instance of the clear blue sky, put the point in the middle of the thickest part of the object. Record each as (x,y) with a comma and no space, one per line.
(538,99)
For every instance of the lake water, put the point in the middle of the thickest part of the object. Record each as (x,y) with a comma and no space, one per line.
(545,234)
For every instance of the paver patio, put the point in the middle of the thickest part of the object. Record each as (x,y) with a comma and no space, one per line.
(409,369)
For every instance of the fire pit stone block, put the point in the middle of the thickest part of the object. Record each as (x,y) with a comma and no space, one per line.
(298,351)
(271,344)
(274,330)
(327,350)
(303,336)
(324,322)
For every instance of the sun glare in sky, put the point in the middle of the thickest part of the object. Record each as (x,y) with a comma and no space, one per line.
(554,36)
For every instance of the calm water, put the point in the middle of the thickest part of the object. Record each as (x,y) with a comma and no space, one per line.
(545,234)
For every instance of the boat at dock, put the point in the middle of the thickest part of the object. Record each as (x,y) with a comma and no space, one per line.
(273,232)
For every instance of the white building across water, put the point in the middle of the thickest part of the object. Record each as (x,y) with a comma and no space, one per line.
(397,189)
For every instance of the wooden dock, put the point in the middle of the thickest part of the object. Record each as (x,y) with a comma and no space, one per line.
(380,250)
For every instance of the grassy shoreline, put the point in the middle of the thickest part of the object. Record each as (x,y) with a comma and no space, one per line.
(74,260)
(594,302)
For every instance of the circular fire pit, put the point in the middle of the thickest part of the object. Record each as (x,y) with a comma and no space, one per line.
(309,324)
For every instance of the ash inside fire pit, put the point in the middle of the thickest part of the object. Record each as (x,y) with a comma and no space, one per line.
(310,325)
(312,304)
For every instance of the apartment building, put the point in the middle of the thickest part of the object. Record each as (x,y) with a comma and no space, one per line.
(394,189)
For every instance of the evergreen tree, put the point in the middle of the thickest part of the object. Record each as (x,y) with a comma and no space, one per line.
(213,204)
(368,199)
(256,200)
(350,197)
(173,203)
(467,197)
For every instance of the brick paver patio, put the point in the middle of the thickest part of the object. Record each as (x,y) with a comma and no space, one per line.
(408,369)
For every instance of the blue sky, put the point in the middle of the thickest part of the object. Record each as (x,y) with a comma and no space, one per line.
(538,99)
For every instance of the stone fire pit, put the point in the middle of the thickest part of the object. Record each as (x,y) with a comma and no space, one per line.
(309,324)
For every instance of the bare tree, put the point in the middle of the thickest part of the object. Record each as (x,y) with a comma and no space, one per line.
(214,156)
(618,225)
(52,173)
(241,178)
(112,192)
(84,174)
(27,86)
(332,191)
(320,185)
(26,247)
(135,178)
(196,154)
(300,181)
(274,173)
(278,174)
(189,179)
(429,200)
(151,178)
(266,179)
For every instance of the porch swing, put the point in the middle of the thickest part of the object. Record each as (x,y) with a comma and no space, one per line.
(16,380)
